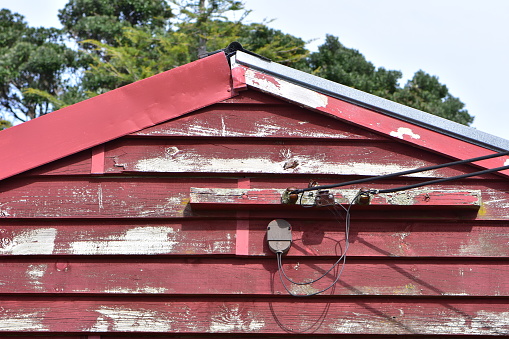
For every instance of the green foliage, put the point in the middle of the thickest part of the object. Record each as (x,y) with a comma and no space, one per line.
(123,41)
(205,24)
(335,62)
(274,44)
(31,58)
(426,93)
(140,54)
(105,20)
(4,124)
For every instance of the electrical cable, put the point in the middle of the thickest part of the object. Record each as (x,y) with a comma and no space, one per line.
(342,258)
(436,181)
(330,269)
(386,176)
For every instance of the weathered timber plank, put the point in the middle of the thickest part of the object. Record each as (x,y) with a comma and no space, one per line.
(187,237)
(76,164)
(164,276)
(100,198)
(258,122)
(149,198)
(267,157)
(217,237)
(362,316)
(217,197)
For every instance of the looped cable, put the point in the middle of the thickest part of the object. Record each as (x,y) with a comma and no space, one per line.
(342,258)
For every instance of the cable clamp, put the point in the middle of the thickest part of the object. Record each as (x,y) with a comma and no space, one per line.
(363,197)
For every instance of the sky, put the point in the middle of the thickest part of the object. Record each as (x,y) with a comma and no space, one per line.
(465,43)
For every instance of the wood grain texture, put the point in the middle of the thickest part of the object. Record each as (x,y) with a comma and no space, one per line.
(125,110)
(270,316)
(169,198)
(268,157)
(99,198)
(254,97)
(76,164)
(129,253)
(316,238)
(420,136)
(219,197)
(255,121)
(164,276)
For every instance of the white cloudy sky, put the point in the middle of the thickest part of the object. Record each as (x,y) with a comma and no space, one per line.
(463,42)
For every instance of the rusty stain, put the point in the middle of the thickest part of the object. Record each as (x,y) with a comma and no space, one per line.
(290,164)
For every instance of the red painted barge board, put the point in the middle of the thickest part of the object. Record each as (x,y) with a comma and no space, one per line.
(373,121)
(119,112)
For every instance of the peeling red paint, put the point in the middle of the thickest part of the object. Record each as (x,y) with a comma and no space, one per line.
(239,78)
(135,250)
(122,111)
(386,125)
(268,78)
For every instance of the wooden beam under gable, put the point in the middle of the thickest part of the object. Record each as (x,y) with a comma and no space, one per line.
(217,197)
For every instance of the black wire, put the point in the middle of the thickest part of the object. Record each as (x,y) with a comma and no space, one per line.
(347,229)
(314,293)
(436,181)
(341,258)
(386,176)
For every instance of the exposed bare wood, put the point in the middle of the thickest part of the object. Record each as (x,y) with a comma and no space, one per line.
(252,277)
(268,157)
(217,237)
(254,121)
(269,316)
(217,197)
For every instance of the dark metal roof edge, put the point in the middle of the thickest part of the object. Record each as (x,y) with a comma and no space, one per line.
(381,105)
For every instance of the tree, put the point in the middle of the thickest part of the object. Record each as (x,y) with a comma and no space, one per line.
(105,20)
(426,93)
(335,62)
(122,41)
(206,25)
(4,124)
(140,54)
(203,27)
(32,58)
(274,44)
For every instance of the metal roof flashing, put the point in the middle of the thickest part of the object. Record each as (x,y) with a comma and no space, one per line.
(372,102)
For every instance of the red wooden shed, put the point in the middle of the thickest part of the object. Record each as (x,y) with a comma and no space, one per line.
(144,212)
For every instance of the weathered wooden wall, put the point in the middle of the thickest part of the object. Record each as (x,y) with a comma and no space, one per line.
(122,252)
